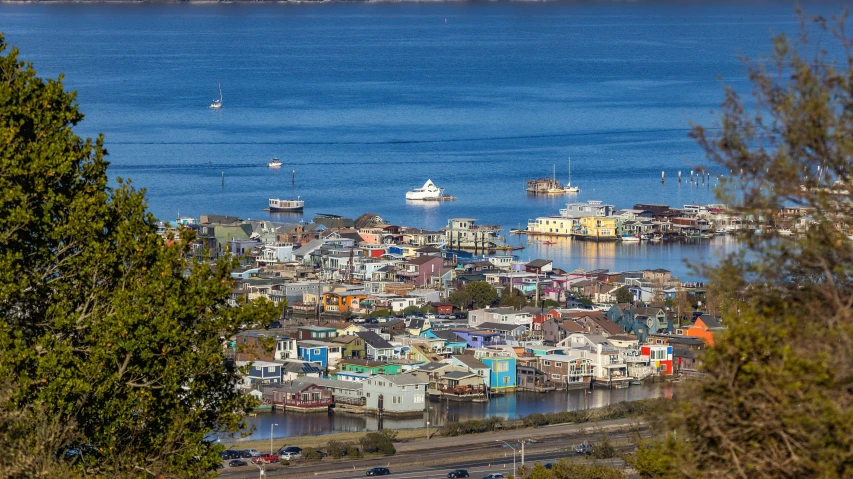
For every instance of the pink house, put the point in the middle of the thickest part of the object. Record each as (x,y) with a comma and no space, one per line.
(421,269)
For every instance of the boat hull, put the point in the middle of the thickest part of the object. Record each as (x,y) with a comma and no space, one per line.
(279,209)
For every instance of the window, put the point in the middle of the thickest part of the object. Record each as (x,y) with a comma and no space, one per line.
(559,365)
(419,399)
(271,369)
(317,352)
(368,394)
(506,379)
(547,363)
(500,367)
(417,386)
(402,388)
(555,376)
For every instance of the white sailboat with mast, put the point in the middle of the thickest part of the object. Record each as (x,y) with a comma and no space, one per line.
(217,104)
(555,188)
(569,188)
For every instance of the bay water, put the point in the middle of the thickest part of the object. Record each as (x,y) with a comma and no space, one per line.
(364,101)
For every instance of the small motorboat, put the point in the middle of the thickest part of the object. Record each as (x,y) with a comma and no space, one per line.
(274,163)
(629,238)
(548,242)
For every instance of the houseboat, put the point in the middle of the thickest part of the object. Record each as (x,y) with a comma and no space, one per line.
(277,205)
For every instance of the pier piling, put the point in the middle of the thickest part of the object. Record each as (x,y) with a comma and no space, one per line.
(223,179)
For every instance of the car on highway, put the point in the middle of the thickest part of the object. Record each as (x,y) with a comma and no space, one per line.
(584,449)
(457,473)
(494,476)
(378,471)
(237,463)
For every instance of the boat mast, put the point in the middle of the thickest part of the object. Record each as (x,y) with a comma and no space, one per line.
(220,91)
(570,171)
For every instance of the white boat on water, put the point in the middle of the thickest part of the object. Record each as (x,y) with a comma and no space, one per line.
(569,188)
(277,205)
(217,104)
(427,192)
(626,238)
(274,163)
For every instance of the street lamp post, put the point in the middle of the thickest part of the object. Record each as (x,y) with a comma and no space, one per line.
(271,426)
(429,408)
(513,455)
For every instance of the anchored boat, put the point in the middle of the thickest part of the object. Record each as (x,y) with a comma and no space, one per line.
(427,192)
(277,205)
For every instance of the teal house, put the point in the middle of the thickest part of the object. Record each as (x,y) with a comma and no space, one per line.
(502,375)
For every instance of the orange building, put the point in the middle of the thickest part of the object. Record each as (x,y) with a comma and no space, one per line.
(703,328)
(342,301)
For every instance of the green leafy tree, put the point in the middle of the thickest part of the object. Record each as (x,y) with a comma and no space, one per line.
(513,298)
(482,294)
(105,327)
(776,402)
(461,299)
(623,295)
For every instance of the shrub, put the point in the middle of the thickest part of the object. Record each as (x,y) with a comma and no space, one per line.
(353,452)
(377,442)
(284,462)
(390,434)
(312,455)
(535,419)
(337,449)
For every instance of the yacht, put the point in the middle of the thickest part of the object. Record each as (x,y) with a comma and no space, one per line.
(277,205)
(274,163)
(427,192)
(217,104)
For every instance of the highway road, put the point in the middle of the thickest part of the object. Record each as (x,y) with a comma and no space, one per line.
(480,454)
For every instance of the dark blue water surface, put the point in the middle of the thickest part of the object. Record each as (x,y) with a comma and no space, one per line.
(365,101)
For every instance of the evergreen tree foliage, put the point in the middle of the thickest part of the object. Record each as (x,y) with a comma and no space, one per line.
(106,328)
(776,401)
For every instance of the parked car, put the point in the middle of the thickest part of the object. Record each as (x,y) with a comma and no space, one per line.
(290,449)
(245,455)
(548,465)
(274,325)
(237,463)
(494,476)
(253,452)
(265,458)
(321,453)
(457,473)
(290,455)
(378,471)
(229,454)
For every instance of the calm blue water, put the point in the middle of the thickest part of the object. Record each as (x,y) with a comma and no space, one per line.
(510,406)
(365,101)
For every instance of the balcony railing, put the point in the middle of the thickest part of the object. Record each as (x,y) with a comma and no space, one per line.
(309,403)
(462,390)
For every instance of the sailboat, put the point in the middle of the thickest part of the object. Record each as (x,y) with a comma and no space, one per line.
(569,188)
(217,104)
(555,188)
